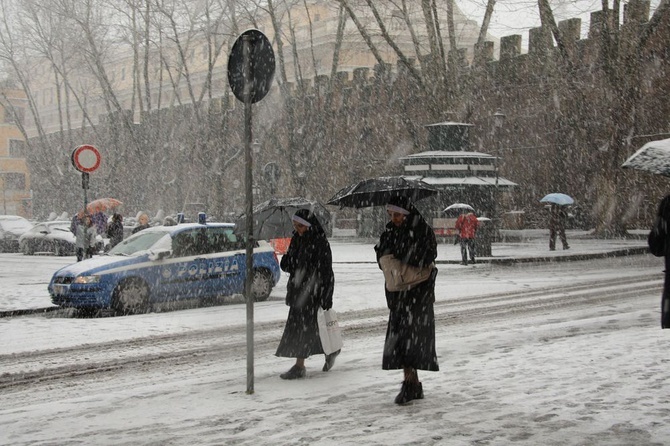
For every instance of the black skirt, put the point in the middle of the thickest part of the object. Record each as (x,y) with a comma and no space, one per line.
(301,334)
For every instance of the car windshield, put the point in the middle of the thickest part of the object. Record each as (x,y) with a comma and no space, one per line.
(141,242)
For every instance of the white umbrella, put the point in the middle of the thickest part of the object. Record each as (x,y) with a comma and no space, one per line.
(558,198)
(460,207)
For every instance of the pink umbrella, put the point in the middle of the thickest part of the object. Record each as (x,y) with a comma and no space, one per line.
(102,204)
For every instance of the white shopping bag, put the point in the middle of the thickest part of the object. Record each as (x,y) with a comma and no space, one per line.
(329,331)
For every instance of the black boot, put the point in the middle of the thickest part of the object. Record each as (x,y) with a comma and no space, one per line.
(409,391)
(294,372)
(330,361)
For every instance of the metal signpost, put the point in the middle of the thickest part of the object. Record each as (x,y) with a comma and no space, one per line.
(251,67)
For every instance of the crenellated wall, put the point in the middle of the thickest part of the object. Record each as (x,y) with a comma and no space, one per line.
(547,122)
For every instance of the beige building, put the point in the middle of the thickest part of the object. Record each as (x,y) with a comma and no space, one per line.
(14,176)
(311,55)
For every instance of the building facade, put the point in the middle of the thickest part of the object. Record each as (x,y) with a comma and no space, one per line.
(14,175)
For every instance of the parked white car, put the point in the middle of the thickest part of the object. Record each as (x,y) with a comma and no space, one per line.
(11,228)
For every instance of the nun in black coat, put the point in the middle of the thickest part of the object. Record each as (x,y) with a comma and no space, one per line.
(309,263)
(410,334)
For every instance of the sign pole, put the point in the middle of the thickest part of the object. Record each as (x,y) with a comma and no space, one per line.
(249,211)
(84,185)
(251,66)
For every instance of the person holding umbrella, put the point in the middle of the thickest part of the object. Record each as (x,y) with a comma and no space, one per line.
(557,218)
(467,225)
(309,262)
(410,244)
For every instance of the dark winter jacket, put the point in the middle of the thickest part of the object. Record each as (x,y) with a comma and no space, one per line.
(309,262)
(139,228)
(115,233)
(412,243)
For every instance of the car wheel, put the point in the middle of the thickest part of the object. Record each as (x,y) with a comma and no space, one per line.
(26,250)
(261,285)
(130,297)
(57,250)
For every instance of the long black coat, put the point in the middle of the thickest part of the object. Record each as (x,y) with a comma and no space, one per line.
(410,333)
(311,282)
(659,245)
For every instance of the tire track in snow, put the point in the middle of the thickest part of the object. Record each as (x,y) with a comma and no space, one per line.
(46,367)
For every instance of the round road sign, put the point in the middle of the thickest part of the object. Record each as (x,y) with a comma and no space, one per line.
(86,158)
(261,65)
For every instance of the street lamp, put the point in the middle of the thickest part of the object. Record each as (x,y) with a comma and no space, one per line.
(498,120)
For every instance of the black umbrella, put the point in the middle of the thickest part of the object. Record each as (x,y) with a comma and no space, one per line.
(272,218)
(378,192)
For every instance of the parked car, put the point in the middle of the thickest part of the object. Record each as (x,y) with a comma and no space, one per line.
(11,228)
(54,237)
(51,236)
(166,263)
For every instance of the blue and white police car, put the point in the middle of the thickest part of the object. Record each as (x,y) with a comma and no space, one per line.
(163,264)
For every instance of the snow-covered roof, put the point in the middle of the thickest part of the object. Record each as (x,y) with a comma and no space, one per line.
(450,123)
(653,157)
(464,181)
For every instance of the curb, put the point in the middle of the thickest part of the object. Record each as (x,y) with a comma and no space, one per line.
(12,313)
(574,257)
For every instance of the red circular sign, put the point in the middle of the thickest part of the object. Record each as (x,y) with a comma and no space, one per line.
(86,158)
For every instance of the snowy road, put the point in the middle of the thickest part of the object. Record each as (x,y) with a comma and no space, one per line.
(532,354)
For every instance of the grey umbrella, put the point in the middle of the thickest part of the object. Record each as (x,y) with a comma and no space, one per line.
(272,218)
(653,157)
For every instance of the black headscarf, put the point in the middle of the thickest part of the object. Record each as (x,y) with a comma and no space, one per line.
(309,263)
(413,242)
(310,217)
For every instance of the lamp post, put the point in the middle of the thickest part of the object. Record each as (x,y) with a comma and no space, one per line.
(498,120)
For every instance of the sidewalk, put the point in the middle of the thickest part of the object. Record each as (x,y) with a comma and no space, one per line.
(531,245)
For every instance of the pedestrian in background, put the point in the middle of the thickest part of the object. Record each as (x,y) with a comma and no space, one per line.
(467,225)
(410,333)
(85,238)
(557,219)
(310,286)
(142,223)
(115,230)
(659,242)
(99,220)
(77,219)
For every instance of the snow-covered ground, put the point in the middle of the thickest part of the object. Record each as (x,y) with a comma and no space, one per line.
(560,353)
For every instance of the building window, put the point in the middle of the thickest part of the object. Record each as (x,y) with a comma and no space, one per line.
(17,148)
(14,181)
(14,115)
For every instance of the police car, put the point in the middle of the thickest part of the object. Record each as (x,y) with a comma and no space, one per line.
(166,263)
